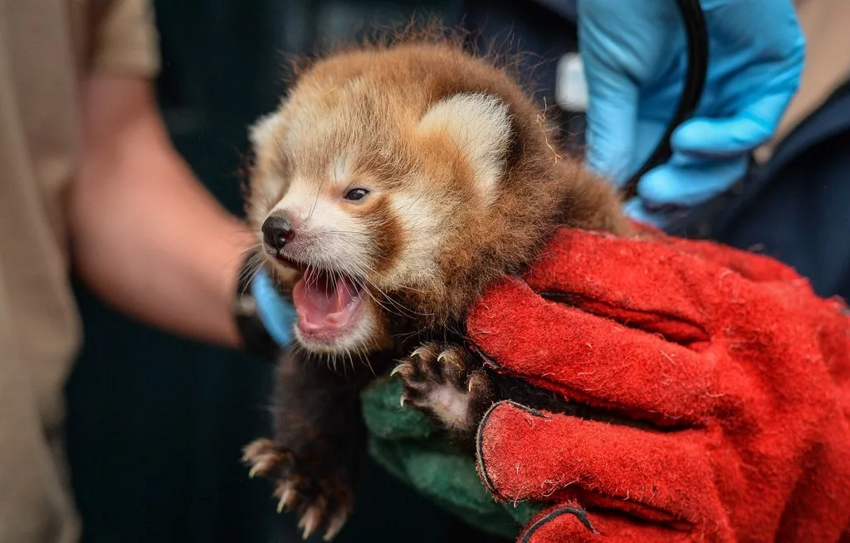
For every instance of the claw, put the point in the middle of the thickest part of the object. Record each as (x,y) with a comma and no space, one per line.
(310,521)
(403,399)
(335,526)
(285,499)
(254,470)
(418,352)
(396,370)
(476,379)
(455,362)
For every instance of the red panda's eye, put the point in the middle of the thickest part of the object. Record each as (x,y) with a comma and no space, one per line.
(356,194)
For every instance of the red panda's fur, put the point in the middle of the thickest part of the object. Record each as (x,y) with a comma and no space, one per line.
(539,188)
(468,185)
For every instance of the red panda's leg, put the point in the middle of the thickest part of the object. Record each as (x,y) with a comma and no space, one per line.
(318,447)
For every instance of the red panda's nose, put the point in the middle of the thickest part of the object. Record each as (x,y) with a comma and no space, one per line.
(277,231)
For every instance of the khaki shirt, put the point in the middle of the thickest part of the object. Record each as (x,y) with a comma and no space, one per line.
(46,46)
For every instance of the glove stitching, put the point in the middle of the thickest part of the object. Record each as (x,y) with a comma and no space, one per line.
(579,513)
(479,442)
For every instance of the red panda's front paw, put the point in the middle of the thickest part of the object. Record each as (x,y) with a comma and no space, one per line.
(444,382)
(319,500)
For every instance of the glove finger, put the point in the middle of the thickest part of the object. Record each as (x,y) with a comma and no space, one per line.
(275,312)
(637,210)
(733,136)
(612,115)
(658,284)
(654,476)
(642,282)
(754,267)
(593,361)
(569,522)
(688,181)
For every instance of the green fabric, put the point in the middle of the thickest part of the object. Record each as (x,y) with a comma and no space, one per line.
(410,447)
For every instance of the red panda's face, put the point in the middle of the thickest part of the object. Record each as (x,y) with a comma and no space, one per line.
(359,189)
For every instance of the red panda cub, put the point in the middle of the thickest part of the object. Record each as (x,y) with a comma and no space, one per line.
(389,188)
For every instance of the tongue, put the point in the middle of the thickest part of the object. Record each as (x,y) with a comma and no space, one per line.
(322,304)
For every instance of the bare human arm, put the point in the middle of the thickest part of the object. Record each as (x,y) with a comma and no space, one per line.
(146,235)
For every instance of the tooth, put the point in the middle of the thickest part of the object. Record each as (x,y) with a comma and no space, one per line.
(339,293)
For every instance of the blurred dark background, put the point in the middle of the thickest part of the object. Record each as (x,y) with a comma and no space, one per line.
(156,424)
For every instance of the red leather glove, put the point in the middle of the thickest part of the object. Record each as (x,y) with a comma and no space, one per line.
(738,371)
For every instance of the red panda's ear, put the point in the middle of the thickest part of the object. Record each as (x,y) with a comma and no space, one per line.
(266,183)
(264,130)
(480,125)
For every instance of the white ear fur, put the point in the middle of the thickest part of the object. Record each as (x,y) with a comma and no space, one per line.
(262,131)
(481,127)
(261,136)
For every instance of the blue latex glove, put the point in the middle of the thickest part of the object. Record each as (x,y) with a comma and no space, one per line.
(635,60)
(277,314)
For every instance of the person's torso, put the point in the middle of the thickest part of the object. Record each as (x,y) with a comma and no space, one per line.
(43,48)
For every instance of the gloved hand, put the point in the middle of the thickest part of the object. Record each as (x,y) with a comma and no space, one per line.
(729,377)
(275,312)
(635,60)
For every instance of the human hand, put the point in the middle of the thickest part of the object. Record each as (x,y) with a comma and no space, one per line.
(635,60)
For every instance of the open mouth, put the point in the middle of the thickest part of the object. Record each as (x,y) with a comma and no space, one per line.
(327,303)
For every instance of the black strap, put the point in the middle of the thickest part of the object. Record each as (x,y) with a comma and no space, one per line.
(697,36)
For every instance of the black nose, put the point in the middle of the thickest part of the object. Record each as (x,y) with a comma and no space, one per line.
(277,231)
